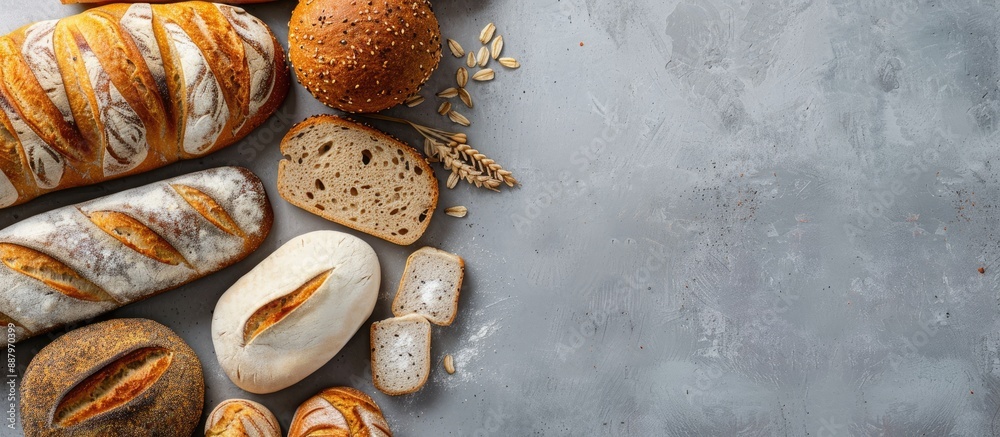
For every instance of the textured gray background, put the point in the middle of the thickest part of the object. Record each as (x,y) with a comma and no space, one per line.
(737,218)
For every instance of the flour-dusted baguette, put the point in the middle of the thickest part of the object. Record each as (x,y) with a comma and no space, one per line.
(125,88)
(241,418)
(76,262)
(122,377)
(293,312)
(339,411)
(432,281)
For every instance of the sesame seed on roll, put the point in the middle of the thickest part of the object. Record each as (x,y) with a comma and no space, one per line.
(363,56)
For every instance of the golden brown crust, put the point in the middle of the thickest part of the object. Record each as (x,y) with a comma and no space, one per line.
(97,51)
(339,411)
(363,56)
(241,418)
(166,398)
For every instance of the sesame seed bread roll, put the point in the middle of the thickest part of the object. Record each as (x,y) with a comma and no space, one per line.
(362,56)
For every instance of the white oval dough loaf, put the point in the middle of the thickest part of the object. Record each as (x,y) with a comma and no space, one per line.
(302,304)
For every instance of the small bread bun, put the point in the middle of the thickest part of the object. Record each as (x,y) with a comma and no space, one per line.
(361,56)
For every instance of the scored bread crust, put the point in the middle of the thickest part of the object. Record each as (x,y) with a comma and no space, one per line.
(169,405)
(306,334)
(301,166)
(339,409)
(241,418)
(360,56)
(104,94)
(127,246)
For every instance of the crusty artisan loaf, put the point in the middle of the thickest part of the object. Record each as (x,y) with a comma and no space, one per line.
(122,89)
(362,56)
(339,411)
(401,354)
(122,377)
(359,177)
(79,261)
(430,286)
(232,2)
(241,418)
(295,310)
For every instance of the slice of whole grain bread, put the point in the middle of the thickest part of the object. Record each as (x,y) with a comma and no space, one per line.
(358,177)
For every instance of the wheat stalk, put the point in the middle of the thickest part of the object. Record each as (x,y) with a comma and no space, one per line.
(454,152)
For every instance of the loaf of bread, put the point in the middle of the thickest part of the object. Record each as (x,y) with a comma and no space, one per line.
(295,310)
(241,418)
(79,261)
(232,2)
(431,283)
(360,56)
(339,411)
(122,89)
(123,377)
(358,177)
(401,354)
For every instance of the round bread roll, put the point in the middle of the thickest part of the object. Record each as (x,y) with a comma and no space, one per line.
(339,411)
(363,56)
(241,418)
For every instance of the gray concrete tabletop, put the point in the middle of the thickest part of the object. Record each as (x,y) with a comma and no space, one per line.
(736,218)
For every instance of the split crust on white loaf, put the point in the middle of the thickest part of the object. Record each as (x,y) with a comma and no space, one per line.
(358,177)
(311,324)
(191,245)
(401,354)
(430,286)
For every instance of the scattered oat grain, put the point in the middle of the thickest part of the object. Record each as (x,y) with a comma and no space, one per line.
(445,108)
(465,96)
(414,100)
(456,48)
(484,75)
(497,46)
(448,93)
(509,63)
(458,118)
(483,57)
(486,34)
(457,211)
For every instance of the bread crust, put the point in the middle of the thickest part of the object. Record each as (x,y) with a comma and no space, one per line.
(241,418)
(102,113)
(169,405)
(340,409)
(363,56)
(299,331)
(418,159)
(82,260)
